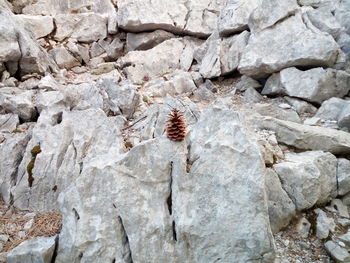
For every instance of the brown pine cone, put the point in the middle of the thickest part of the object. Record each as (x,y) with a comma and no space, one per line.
(176,126)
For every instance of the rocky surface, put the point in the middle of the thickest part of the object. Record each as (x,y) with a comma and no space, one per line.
(262,174)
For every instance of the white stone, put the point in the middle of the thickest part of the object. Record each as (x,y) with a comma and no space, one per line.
(63,58)
(41,26)
(343,176)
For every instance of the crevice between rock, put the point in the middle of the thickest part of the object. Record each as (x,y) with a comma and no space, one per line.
(127,255)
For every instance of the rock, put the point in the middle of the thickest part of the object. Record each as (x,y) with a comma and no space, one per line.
(314,85)
(37,250)
(163,58)
(79,51)
(308,137)
(309,178)
(345,238)
(311,49)
(63,58)
(103,68)
(20,102)
(48,83)
(324,224)
(197,18)
(234,17)
(123,97)
(269,12)
(167,180)
(342,15)
(343,176)
(303,227)
(85,28)
(341,208)
(252,96)
(246,82)
(28,225)
(41,26)
(338,253)
(281,207)
(96,50)
(335,109)
(266,109)
(114,48)
(8,122)
(66,147)
(222,57)
(301,106)
(324,20)
(19,49)
(344,222)
(144,41)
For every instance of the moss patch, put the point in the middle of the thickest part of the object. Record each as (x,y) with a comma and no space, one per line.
(35,151)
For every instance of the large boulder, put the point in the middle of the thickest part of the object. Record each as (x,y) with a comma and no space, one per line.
(309,178)
(314,85)
(198,18)
(277,47)
(158,207)
(19,48)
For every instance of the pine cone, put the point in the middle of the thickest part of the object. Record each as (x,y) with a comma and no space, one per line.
(176,126)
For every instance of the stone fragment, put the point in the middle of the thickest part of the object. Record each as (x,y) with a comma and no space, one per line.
(343,176)
(246,82)
(144,41)
(337,110)
(37,250)
(303,227)
(314,85)
(301,106)
(252,96)
(8,122)
(345,238)
(63,58)
(41,26)
(275,48)
(309,178)
(324,224)
(266,109)
(341,208)
(338,253)
(281,207)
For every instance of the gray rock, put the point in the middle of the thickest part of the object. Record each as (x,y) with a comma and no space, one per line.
(344,222)
(103,68)
(8,122)
(198,18)
(41,26)
(163,58)
(303,227)
(315,3)
(324,224)
(37,250)
(152,176)
(19,49)
(113,47)
(234,17)
(144,41)
(222,56)
(66,147)
(314,85)
(343,176)
(123,97)
(323,19)
(96,50)
(246,82)
(309,178)
(338,253)
(266,109)
(252,96)
(335,109)
(301,106)
(308,137)
(269,12)
(63,58)
(343,16)
(48,83)
(345,238)
(85,28)
(281,207)
(311,49)
(20,102)
(340,208)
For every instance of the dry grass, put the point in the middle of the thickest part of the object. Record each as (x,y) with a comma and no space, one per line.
(12,221)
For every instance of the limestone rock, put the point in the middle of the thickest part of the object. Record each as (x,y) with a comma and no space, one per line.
(338,253)
(276,48)
(234,17)
(324,224)
(252,96)
(144,41)
(63,58)
(281,207)
(335,109)
(85,28)
(308,137)
(266,109)
(314,85)
(197,18)
(301,106)
(309,178)
(18,48)
(269,12)
(37,250)
(41,26)
(20,102)
(343,176)
(163,58)
(8,122)
(340,208)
